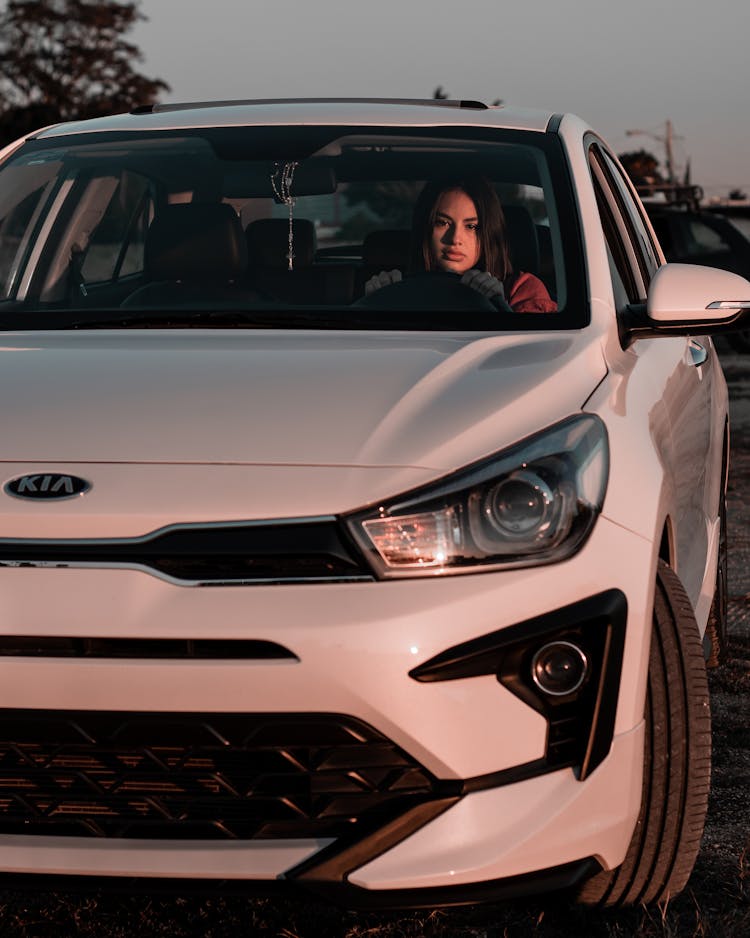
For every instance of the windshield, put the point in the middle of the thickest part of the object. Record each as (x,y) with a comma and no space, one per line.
(288,226)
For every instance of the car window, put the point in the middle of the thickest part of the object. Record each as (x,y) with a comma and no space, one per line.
(275,219)
(646,249)
(626,267)
(22,197)
(115,248)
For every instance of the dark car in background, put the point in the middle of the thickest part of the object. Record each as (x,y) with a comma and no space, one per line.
(737,212)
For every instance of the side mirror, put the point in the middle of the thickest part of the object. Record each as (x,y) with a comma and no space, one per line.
(687,299)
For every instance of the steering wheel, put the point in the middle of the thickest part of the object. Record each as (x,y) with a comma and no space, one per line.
(429,290)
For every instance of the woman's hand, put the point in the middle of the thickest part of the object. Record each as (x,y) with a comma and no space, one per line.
(489,286)
(384,279)
(483,283)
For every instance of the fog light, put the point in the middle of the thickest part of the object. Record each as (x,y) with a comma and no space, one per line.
(559,668)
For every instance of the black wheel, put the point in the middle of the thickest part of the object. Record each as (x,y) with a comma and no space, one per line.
(716,638)
(432,290)
(677,765)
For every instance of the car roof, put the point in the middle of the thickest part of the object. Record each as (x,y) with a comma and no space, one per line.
(359,112)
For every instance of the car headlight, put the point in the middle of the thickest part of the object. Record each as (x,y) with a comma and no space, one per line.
(532,504)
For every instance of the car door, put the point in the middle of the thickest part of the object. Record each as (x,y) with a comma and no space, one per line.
(680,371)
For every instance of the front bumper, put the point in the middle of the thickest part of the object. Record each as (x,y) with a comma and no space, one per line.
(353,646)
(487,846)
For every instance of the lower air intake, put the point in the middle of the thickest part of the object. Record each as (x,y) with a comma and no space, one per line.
(200,776)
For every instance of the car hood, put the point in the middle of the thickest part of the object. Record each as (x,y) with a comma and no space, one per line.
(413,405)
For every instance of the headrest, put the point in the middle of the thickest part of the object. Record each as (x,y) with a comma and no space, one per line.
(268,242)
(387,249)
(196,241)
(522,238)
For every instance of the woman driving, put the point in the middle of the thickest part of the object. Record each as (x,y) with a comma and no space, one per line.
(459,227)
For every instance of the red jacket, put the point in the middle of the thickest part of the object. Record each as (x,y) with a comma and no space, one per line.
(528,294)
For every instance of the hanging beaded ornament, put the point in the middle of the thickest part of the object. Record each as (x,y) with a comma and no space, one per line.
(281,181)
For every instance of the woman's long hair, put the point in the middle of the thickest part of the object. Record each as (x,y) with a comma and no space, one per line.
(494,256)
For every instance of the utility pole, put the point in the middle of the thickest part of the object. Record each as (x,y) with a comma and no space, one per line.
(667,140)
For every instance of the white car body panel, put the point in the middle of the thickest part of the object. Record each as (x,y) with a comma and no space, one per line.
(676,445)
(288,400)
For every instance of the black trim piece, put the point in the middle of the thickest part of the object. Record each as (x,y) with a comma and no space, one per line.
(344,895)
(33,646)
(334,863)
(581,725)
(634,323)
(221,553)
(553,879)
(517,773)
(553,125)
(480,656)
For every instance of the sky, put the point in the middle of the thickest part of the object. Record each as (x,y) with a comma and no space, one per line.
(621,66)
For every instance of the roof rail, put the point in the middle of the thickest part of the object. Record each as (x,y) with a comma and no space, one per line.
(422,102)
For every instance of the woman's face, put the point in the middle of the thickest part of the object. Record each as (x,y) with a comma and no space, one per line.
(455,234)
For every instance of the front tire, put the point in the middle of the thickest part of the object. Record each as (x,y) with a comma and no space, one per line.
(677,763)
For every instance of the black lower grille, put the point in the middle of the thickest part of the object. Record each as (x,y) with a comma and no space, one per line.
(33,646)
(200,776)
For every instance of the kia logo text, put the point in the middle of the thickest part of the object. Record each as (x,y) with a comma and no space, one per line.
(47,485)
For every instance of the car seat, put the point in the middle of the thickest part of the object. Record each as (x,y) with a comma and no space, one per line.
(522,239)
(306,283)
(195,253)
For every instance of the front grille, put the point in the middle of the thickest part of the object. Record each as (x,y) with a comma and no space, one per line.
(200,776)
(211,554)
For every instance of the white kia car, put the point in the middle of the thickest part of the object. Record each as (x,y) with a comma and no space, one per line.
(403,596)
